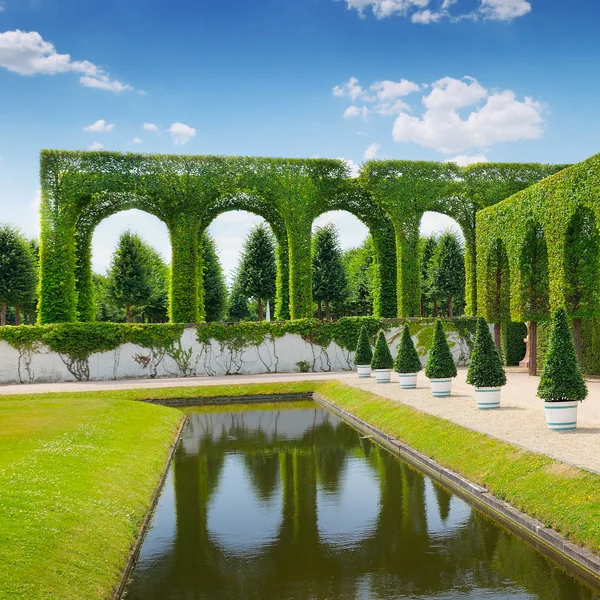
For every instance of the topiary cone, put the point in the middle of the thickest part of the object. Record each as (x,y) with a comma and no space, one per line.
(561,379)
(382,357)
(364,354)
(440,364)
(408,360)
(485,366)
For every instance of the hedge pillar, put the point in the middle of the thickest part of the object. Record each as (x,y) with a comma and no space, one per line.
(282,296)
(385,303)
(299,243)
(86,306)
(58,296)
(186,262)
(470,275)
(408,268)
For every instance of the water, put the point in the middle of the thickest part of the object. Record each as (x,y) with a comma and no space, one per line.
(293,504)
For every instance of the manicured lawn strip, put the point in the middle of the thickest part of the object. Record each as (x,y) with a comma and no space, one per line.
(75,492)
(563,497)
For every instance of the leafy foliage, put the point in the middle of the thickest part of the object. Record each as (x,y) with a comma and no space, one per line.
(440,363)
(382,357)
(215,290)
(561,378)
(513,346)
(446,271)
(361,274)
(364,354)
(407,360)
(485,367)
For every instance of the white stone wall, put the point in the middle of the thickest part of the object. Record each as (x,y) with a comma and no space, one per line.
(130,361)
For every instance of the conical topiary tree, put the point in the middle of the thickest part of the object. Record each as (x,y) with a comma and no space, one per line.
(408,360)
(382,357)
(485,366)
(440,364)
(561,379)
(364,354)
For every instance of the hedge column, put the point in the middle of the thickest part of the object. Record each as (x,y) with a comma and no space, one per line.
(186,262)
(282,297)
(299,242)
(86,306)
(409,272)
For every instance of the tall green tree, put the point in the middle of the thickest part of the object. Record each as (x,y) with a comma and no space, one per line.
(330,283)
(18,272)
(215,289)
(129,274)
(156,308)
(447,271)
(359,263)
(258,271)
(427,246)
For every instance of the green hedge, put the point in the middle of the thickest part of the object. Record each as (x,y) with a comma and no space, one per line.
(513,346)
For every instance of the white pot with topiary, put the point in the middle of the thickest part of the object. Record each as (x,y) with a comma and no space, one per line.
(561,384)
(486,371)
(382,362)
(440,367)
(407,363)
(363,355)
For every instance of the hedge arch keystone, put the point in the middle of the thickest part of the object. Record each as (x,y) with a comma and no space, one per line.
(80,189)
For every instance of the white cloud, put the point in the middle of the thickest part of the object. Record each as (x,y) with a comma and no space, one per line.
(150,127)
(388,90)
(100,126)
(27,53)
(464,161)
(351,88)
(136,141)
(371,151)
(353,111)
(494,118)
(504,10)
(425,12)
(181,133)
(96,146)
(354,167)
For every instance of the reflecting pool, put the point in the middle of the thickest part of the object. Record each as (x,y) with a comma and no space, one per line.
(293,504)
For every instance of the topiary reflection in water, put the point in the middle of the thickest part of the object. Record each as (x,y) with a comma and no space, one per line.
(293,504)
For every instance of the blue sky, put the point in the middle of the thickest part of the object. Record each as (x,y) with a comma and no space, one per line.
(501,80)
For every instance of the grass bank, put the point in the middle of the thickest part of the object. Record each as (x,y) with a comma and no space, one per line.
(76,480)
(77,472)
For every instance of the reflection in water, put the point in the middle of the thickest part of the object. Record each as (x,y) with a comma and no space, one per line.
(293,504)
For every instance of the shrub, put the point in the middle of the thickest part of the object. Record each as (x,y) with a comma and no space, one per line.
(440,363)
(407,360)
(382,357)
(561,378)
(513,346)
(485,367)
(364,354)
(303,365)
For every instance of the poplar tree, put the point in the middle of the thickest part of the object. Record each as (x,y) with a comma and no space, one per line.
(18,272)
(213,280)
(447,274)
(258,270)
(129,274)
(330,283)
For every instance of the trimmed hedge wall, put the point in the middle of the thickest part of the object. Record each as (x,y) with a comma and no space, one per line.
(513,346)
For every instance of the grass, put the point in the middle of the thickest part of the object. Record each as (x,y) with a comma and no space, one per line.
(71,502)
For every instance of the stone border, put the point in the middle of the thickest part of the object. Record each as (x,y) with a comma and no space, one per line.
(135,551)
(218,400)
(585,564)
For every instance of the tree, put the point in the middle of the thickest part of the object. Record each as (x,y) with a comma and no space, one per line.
(440,364)
(129,274)
(427,250)
(382,357)
(18,272)
(561,378)
(156,308)
(364,354)
(329,275)
(258,271)
(447,271)
(237,302)
(407,360)
(215,289)
(360,271)
(485,366)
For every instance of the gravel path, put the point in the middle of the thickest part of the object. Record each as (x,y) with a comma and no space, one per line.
(520,420)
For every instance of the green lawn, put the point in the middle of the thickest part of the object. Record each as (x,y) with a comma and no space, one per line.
(77,472)
(76,480)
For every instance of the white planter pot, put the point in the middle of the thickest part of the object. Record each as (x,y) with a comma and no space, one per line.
(408,381)
(487,397)
(441,387)
(383,375)
(363,371)
(561,416)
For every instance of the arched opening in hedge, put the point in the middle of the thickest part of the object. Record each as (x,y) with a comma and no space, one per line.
(582,270)
(91,216)
(497,305)
(451,300)
(238,218)
(534,287)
